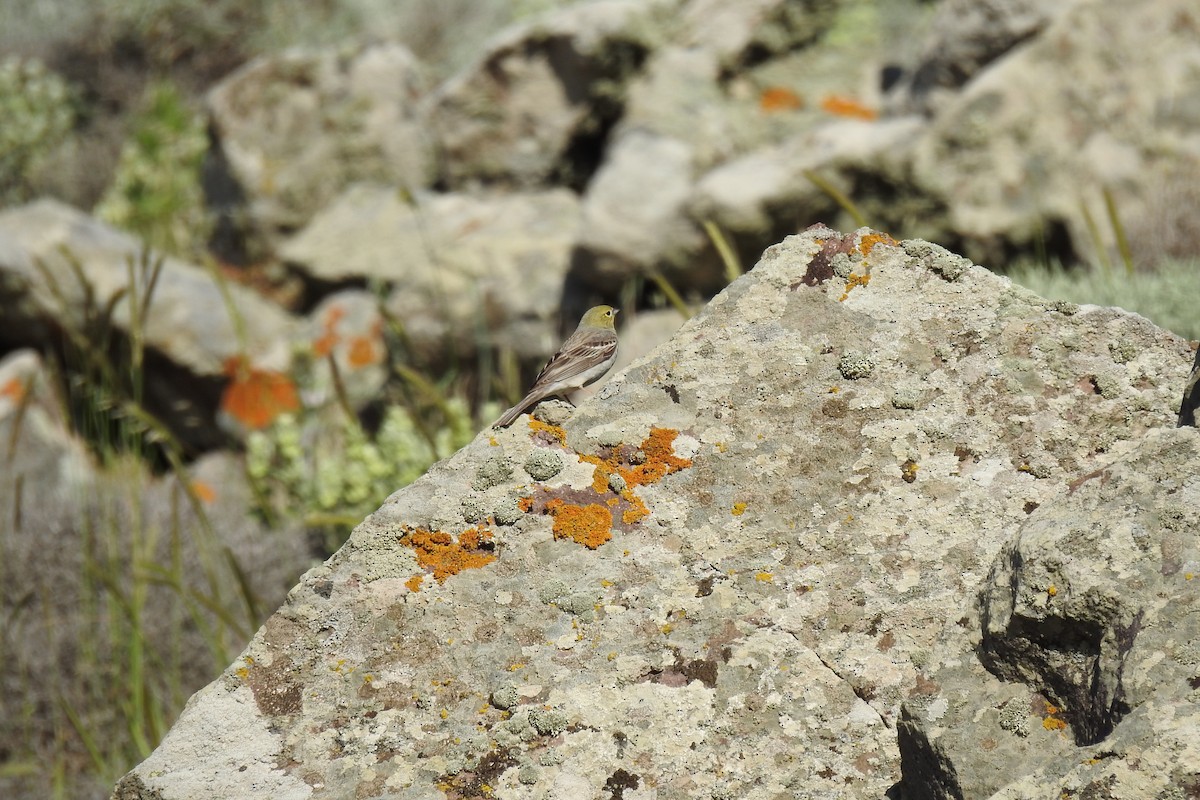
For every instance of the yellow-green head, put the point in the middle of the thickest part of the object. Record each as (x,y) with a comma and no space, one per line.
(599,318)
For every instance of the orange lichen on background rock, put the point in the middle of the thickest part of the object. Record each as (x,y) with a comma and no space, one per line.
(14,389)
(438,552)
(204,491)
(368,349)
(257,397)
(779,98)
(841,106)
(323,345)
(590,525)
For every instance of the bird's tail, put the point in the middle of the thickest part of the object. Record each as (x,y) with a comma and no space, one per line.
(511,415)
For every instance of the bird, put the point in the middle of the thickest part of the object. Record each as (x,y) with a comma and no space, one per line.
(585,357)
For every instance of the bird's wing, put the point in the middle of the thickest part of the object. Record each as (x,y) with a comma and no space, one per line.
(581,352)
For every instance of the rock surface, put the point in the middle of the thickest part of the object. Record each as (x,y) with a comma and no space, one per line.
(725,574)
(539,90)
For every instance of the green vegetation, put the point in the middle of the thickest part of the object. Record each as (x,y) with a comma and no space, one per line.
(139,599)
(1166,295)
(37,112)
(331,477)
(156,192)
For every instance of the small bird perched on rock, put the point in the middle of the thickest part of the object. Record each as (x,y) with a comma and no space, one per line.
(584,357)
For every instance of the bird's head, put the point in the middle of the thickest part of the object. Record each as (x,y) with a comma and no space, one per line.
(599,317)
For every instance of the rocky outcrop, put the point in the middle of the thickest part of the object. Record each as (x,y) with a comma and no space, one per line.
(541,90)
(736,570)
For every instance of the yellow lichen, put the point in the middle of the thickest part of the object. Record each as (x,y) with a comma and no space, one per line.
(867,243)
(765,577)
(1052,590)
(556,432)
(852,283)
(738,509)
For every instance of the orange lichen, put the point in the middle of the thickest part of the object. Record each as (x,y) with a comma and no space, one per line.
(414,583)
(204,491)
(525,503)
(257,397)
(636,512)
(842,106)
(14,389)
(658,462)
(587,515)
(590,525)
(364,351)
(1053,724)
(1051,721)
(554,431)
(868,242)
(438,552)
(779,98)
(323,345)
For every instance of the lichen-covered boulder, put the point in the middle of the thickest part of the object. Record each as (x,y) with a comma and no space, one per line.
(1087,678)
(539,91)
(728,576)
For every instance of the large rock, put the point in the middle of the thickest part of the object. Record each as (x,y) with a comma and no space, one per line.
(1088,640)
(292,130)
(634,220)
(721,577)
(755,29)
(455,263)
(61,269)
